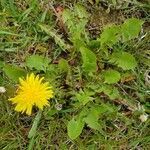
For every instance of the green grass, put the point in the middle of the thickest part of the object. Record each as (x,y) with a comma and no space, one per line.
(21,35)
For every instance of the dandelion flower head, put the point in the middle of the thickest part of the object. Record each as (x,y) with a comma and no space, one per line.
(32,92)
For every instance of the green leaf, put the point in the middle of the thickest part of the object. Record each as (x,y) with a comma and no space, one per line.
(110,35)
(33,129)
(111,91)
(89,60)
(92,118)
(58,39)
(51,112)
(94,44)
(63,65)
(106,107)
(2,64)
(131,28)
(80,11)
(13,72)
(84,97)
(111,76)
(8,33)
(124,60)
(76,21)
(66,15)
(77,42)
(75,128)
(37,62)
(92,122)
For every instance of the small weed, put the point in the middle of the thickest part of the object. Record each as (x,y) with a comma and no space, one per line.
(100,81)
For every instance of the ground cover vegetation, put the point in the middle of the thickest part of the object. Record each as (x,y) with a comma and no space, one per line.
(74,74)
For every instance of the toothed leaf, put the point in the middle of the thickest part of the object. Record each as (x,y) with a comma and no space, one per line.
(124,60)
(111,76)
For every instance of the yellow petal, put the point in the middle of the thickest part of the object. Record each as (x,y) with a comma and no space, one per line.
(32,92)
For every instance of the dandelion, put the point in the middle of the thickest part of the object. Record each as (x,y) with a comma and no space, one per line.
(32,92)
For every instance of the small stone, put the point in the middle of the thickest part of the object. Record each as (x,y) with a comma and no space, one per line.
(58,106)
(2,89)
(143,117)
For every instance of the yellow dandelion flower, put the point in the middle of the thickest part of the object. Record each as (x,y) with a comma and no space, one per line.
(32,92)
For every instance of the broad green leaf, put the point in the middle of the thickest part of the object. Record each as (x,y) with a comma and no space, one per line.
(111,91)
(92,118)
(75,128)
(83,113)
(37,62)
(63,65)
(52,73)
(97,110)
(111,76)
(131,28)
(124,60)
(14,72)
(106,107)
(110,35)
(89,60)
(84,97)
(92,122)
